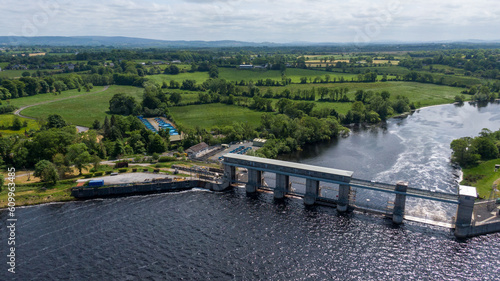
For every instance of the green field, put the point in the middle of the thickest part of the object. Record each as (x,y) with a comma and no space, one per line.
(487,174)
(6,121)
(14,73)
(425,94)
(85,109)
(216,114)
(20,102)
(236,75)
(200,77)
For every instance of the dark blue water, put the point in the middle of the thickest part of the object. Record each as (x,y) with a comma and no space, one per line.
(200,235)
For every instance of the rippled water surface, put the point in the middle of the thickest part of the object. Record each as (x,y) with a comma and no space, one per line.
(201,235)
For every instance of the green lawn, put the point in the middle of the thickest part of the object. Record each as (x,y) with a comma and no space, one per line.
(216,114)
(19,102)
(487,174)
(85,109)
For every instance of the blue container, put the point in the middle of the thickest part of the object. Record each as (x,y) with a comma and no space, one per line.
(96,183)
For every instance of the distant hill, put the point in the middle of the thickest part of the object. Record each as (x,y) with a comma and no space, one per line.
(130,42)
(119,42)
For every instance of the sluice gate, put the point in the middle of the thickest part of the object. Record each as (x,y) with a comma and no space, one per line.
(345,188)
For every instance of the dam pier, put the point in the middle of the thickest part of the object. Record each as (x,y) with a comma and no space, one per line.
(345,182)
(322,186)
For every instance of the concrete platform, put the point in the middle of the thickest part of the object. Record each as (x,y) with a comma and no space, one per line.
(232,147)
(482,215)
(129,178)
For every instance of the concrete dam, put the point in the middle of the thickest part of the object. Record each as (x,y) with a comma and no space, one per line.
(314,175)
(322,186)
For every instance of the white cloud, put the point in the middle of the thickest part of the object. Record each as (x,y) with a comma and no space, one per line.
(256,20)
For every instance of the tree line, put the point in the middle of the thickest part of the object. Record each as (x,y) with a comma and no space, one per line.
(470,151)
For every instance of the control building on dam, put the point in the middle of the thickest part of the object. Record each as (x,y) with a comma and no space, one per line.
(327,186)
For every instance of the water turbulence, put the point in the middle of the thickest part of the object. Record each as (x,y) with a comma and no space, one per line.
(415,150)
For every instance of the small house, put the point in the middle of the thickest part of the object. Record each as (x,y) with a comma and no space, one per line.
(198,150)
(259,142)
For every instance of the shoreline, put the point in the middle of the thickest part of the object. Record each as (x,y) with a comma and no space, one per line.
(72,199)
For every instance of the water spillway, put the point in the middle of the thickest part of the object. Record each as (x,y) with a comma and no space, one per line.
(313,175)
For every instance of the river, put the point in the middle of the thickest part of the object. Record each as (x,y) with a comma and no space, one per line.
(201,235)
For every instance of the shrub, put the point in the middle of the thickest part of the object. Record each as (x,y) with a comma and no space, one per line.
(108,172)
(97,174)
(122,170)
(166,159)
(87,176)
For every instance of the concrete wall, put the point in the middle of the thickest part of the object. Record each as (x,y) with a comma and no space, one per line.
(86,192)
(484,229)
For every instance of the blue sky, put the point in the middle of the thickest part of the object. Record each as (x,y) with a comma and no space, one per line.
(256,20)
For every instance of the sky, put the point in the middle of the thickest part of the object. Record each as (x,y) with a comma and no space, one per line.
(280,21)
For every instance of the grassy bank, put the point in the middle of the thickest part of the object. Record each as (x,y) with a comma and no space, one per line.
(38,193)
(482,177)
(34,192)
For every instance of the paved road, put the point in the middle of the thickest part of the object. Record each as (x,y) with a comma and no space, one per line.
(80,128)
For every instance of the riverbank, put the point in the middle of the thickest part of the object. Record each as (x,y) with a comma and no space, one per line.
(30,191)
(482,177)
(38,193)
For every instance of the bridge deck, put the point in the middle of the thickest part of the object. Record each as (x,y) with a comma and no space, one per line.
(330,175)
(285,167)
(411,191)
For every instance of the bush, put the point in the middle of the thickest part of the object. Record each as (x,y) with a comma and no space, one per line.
(108,172)
(97,174)
(134,170)
(122,170)
(166,159)
(87,176)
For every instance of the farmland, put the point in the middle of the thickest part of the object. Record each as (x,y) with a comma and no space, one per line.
(19,102)
(209,115)
(83,110)
(419,93)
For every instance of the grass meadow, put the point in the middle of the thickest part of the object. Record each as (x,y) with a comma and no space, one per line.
(419,93)
(14,73)
(85,109)
(215,114)
(6,121)
(19,102)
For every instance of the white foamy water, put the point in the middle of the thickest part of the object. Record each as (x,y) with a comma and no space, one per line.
(415,150)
